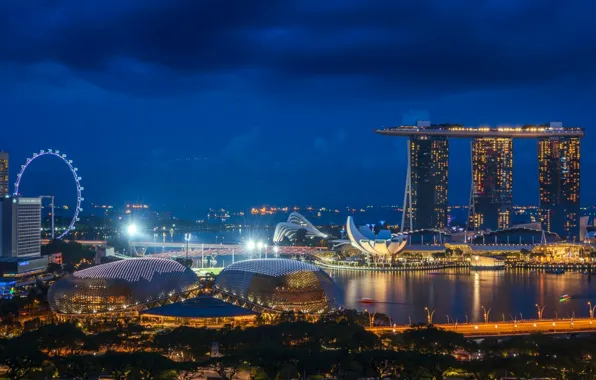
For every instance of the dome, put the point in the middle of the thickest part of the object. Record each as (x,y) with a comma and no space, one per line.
(279,284)
(120,285)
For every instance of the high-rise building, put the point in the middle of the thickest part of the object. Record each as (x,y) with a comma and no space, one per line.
(4,185)
(425,203)
(492,183)
(20,227)
(559,175)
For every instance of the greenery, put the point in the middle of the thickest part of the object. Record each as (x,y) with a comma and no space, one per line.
(336,346)
(74,255)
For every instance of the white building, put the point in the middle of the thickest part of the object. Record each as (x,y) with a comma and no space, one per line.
(20,227)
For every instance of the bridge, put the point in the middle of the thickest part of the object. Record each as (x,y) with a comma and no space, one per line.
(508,328)
(197,250)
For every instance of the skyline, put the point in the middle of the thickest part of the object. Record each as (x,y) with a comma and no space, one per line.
(148,110)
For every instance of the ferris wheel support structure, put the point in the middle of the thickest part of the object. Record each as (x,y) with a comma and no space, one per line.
(76,177)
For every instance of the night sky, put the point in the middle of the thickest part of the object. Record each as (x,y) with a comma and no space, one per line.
(194,104)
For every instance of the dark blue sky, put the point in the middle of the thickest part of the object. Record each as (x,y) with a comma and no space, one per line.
(233,103)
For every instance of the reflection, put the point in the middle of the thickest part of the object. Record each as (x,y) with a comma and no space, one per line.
(460,293)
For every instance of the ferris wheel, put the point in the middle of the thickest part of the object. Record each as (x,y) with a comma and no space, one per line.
(77,179)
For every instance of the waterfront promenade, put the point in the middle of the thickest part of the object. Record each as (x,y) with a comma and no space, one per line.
(508,328)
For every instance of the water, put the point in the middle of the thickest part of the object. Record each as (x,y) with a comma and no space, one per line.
(461,292)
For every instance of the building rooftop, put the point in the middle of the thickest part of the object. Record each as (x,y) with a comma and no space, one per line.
(553,129)
(200,307)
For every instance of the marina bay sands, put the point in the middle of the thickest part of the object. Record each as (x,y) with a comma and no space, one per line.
(491,191)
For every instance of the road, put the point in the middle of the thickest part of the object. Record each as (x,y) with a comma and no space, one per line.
(559,326)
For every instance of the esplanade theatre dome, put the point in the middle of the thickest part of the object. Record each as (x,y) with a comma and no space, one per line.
(278,284)
(121,285)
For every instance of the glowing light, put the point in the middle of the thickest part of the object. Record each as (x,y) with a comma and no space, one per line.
(131,230)
(260,245)
(251,245)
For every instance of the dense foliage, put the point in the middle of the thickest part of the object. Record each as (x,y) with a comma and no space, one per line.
(336,347)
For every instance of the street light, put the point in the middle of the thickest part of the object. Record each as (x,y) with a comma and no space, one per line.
(276,250)
(260,246)
(187,240)
(540,310)
(371,318)
(429,315)
(486,313)
(131,230)
(591,309)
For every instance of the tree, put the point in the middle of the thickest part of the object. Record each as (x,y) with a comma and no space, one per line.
(77,366)
(226,366)
(271,358)
(72,252)
(116,364)
(21,357)
(195,342)
(149,365)
(429,339)
(64,339)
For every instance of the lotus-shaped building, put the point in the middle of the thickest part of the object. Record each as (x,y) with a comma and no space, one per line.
(295,223)
(384,244)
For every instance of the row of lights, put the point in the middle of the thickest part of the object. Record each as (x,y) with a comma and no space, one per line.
(132,230)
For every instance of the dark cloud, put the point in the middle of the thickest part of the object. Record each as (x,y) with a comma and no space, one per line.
(431,46)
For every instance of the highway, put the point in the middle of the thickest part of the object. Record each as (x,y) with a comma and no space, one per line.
(509,328)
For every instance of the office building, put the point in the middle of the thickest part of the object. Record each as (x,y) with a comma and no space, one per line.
(4,185)
(425,203)
(492,183)
(20,227)
(559,179)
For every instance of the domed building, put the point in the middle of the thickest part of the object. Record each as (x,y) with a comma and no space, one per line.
(277,285)
(126,285)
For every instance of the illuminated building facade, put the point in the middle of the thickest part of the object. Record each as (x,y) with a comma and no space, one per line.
(4,175)
(277,285)
(123,286)
(425,203)
(492,183)
(492,177)
(559,178)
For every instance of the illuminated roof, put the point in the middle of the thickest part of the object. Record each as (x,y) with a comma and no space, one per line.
(277,284)
(455,130)
(295,223)
(272,267)
(383,244)
(122,285)
(132,270)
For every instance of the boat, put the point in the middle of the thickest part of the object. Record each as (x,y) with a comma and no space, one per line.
(565,297)
(367,300)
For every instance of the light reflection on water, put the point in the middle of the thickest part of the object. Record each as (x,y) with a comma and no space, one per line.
(461,292)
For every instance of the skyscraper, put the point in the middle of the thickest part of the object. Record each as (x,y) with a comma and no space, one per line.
(425,203)
(492,183)
(559,175)
(4,188)
(20,227)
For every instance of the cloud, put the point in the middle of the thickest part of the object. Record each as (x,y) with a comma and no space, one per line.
(421,48)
